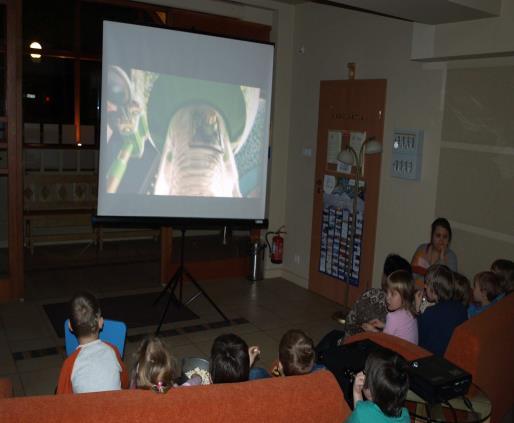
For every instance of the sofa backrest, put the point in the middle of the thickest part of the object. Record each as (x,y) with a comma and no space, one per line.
(312,398)
(407,349)
(484,346)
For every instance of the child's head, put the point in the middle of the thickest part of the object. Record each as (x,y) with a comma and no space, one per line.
(504,270)
(462,291)
(400,290)
(154,366)
(386,382)
(394,262)
(486,287)
(230,361)
(296,353)
(439,283)
(85,315)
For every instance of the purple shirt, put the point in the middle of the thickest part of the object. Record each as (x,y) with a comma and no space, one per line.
(403,324)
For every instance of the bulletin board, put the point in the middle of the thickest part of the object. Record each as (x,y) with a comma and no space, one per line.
(336,230)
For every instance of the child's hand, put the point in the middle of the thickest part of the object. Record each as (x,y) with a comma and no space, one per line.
(368,327)
(418,299)
(254,353)
(358,385)
(377,323)
(442,254)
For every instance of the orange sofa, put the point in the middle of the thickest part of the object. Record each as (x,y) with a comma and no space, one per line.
(314,398)
(483,346)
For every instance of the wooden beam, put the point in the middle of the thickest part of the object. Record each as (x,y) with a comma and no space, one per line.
(14,147)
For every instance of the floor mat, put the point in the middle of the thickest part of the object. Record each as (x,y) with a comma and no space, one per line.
(135,310)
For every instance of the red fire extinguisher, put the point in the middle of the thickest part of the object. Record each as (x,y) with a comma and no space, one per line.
(276,248)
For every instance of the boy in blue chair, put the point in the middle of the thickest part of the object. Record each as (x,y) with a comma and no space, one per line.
(95,365)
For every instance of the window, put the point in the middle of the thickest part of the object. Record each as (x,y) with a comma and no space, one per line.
(61,87)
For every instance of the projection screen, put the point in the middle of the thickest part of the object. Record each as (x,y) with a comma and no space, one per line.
(185,122)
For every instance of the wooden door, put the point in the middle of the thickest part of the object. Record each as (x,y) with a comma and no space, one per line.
(353,105)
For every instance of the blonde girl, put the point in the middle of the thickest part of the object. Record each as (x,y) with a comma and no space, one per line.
(154,368)
(401,317)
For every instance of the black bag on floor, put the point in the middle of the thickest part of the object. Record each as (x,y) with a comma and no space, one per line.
(345,361)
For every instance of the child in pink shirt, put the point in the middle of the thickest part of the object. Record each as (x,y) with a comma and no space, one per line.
(400,319)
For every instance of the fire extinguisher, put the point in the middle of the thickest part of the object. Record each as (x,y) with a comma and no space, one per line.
(276,248)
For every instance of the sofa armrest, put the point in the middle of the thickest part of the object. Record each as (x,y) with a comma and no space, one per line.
(6,388)
(407,349)
(483,346)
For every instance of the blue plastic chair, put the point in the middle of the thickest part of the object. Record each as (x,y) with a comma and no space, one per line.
(113,331)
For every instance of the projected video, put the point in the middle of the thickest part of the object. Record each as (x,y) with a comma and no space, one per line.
(169,135)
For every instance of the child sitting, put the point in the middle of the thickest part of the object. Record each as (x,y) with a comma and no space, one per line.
(436,324)
(462,292)
(95,365)
(384,383)
(371,305)
(231,360)
(400,319)
(504,270)
(486,292)
(296,354)
(155,367)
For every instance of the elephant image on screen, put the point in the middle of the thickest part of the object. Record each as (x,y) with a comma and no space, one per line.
(195,131)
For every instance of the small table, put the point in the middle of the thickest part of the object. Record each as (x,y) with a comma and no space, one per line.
(475,407)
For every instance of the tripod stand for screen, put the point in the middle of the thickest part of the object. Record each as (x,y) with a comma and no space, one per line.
(177,280)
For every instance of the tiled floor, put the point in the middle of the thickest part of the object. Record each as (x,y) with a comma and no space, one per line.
(31,354)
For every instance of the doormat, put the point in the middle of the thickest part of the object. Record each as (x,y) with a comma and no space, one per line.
(135,310)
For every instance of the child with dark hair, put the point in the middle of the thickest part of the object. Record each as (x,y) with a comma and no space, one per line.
(296,354)
(462,292)
(486,292)
(231,359)
(504,270)
(384,382)
(95,365)
(436,323)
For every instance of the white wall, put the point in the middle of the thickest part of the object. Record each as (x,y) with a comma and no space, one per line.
(476,171)
(331,37)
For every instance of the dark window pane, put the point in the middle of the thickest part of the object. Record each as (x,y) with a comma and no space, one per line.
(48,93)
(2,61)
(51,23)
(3,160)
(2,84)
(4,239)
(32,159)
(2,27)
(92,16)
(3,132)
(90,79)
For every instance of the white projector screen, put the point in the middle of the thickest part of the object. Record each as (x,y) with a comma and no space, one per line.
(185,122)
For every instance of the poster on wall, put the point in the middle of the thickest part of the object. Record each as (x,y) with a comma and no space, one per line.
(336,231)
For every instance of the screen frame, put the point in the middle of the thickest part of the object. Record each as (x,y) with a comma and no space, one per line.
(199,222)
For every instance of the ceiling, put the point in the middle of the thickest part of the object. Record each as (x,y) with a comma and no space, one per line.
(430,12)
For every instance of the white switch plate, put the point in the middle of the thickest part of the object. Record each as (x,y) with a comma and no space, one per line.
(307,152)
(407,154)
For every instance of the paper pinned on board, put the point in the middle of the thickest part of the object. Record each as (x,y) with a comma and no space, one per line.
(334,142)
(329,183)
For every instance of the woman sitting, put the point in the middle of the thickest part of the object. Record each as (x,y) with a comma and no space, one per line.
(437,251)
